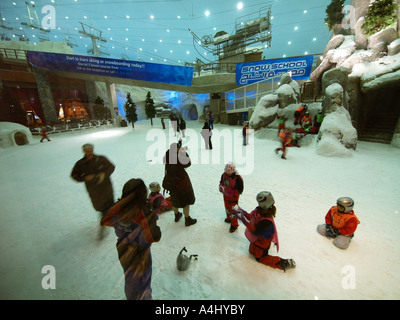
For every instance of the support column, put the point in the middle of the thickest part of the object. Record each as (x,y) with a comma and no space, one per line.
(112,98)
(45,96)
(92,95)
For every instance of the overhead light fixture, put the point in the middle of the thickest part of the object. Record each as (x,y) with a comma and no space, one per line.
(240,5)
(207,13)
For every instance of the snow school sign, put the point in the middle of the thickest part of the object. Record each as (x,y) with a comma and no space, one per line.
(135,70)
(251,72)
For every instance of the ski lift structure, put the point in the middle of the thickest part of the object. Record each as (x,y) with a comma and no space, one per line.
(96,36)
(71,41)
(249,29)
(33,19)
(3,29)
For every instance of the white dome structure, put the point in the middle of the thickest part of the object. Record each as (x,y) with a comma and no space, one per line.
(14,134)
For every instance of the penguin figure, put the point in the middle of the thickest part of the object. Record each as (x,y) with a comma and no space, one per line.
(183,261)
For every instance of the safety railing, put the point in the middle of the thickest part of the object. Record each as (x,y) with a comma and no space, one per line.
(245,98)
(13,53)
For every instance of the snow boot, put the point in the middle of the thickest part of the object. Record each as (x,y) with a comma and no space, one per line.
(178,216)
(285,264)
(189,221)
(227,220)
(232,229)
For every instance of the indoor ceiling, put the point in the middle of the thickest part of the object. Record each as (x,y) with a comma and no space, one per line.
(158,30)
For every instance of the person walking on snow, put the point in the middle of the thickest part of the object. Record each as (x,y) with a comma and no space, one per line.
(286,140)
(95,172)
(261,232)
(231,186)
(340,223)
(43,133)
(136,228)
(177,182)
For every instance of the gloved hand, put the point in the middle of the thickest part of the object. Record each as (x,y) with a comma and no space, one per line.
(221,189)
(331,231)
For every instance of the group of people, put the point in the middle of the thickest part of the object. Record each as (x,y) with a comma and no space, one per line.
(134,215)
(290,137)
(178,124)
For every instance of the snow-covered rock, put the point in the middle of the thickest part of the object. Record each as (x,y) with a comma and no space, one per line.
(264,112)
(337,135)
(286,95)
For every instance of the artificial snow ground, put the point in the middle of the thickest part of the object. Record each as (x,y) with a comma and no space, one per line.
(48,219)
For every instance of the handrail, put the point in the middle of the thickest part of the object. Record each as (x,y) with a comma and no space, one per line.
(13,53)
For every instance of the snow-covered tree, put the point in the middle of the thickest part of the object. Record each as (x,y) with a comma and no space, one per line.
(130,109)
(149,107)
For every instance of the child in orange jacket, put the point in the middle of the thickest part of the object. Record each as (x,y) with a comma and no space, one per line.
(340,223)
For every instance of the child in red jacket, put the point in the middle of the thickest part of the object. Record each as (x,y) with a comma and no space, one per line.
(157,201)
(231,186)
(261,232)
(340,223)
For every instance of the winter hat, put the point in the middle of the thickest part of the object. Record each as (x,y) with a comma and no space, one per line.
(230,168)
(265,199)
(154,186)
(131,185)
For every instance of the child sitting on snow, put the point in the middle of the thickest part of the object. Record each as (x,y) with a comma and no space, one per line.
(340,223)
(157,202)
(231,186)
(261,231)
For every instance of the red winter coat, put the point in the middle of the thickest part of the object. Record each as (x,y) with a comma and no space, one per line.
(346,223)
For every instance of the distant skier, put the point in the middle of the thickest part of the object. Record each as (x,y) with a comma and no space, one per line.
(340,223)
(261,232)
(231,186)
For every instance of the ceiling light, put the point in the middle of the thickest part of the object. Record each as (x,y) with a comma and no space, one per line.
(284,55)
(315,39)
(179,41)
(240,5)
(296,28)
(84,17)
(151,17)
(305,11)
(179,17)
(105,17)
(290,42)
(187,52)
(306,53)
(207,13)
(127,17)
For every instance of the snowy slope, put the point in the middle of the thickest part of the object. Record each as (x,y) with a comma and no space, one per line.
(47,219)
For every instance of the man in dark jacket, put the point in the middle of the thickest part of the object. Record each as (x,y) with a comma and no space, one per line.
(95,171)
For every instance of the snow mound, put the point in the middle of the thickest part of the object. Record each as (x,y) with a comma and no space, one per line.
(337,135)
(14,134)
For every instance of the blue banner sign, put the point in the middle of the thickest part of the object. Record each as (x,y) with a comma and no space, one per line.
(136,70)
(251,72)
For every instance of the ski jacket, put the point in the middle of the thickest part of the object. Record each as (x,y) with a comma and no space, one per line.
(102,194)
(261,228)
(346,223)
(231,187)
(157,202)
(286,137)
(142,230)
